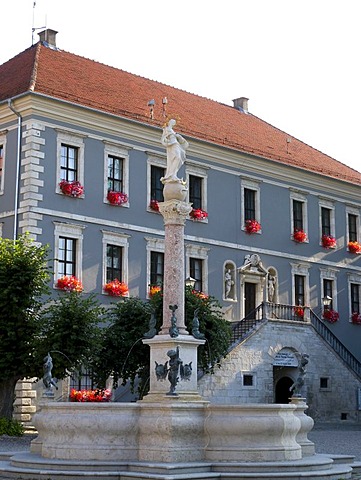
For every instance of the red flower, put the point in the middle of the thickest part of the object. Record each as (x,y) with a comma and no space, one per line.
(69,284)
(117,198)
(299,312)
(201,295)
(100,395)
(356,318)
(116,288)
(154,205)
(198,214)
(299,235)
(328,241)
(330,315)
(252,226)
(153,289)
(354,247)
(72,189)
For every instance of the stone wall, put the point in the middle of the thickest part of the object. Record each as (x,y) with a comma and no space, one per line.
(248,374)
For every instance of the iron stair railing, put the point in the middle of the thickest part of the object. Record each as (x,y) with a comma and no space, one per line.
(337,346)
(244,327)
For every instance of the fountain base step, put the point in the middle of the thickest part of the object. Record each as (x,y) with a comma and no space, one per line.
(29,466)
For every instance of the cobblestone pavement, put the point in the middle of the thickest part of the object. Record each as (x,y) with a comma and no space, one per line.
(343,439)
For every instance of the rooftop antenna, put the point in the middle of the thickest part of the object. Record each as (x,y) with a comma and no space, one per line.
(33,30)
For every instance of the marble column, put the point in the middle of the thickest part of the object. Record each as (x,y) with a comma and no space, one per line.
(174,213)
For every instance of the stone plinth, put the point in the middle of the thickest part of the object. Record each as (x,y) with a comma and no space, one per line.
(174,213)
(308,447)
(159,346)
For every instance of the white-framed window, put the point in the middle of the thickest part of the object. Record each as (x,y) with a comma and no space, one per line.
(298,208)
(156,168)
(352,224)
(69,158)
(1,229)
(248,380)
(115,257)
(251,205)
(197,266)
(354,292)
(328,277)
(2,162)
(327,218)
(155,261)
(196,177)
(300,284)
(116,170)
(68,250)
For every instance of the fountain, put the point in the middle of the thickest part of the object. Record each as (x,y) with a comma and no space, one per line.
(173,433)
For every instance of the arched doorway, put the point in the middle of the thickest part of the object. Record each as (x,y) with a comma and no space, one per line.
(282,391)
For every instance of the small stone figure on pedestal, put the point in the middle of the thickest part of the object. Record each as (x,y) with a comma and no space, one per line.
(298,384)
(173,331)
(48,380)
(176,147)
(195,326)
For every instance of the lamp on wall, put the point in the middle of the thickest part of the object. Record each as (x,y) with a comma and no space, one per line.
(190,282)
(326,302)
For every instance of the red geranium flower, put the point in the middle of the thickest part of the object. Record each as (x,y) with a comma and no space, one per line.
(330,315)
(72,189)
(69,283)
(356,318)
(154,205)
(328,241)
(198,214)
(354,247)
(299,235)
(99,395)
(117,198)
(252,226)
(116,288)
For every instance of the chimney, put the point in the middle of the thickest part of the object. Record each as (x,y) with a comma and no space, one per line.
(241,104)
(48,37)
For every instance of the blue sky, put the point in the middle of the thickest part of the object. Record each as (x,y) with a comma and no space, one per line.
(296,60)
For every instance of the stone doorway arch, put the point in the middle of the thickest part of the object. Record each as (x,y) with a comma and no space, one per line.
(282,390)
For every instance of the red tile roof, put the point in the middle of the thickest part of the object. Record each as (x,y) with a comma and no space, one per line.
(82,81)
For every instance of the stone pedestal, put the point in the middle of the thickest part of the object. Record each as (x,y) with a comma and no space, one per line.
(308,447)
(174,213)
(186,388)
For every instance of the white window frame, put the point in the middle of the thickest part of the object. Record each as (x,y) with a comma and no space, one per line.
(352,278)
(120,240)
(1,229)
(201,172)
(2,178)
(329,274)
(353,211)
(201,253)
(119,151)
(301,197)
(73,231)
(247,183)
(153,245)
(74,140)
(301,269)
(326,203)
(156,162)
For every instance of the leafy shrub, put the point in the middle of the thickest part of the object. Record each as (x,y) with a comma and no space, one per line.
(11,427)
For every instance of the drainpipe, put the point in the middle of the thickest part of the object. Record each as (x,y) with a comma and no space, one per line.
(17,179)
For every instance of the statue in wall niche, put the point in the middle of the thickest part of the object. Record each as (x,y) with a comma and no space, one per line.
(228,283)
(176,147)
(271,288)
(298,384)
(48,380)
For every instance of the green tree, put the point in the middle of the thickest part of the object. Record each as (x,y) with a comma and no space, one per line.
(24,278)
(70,331)
(125,356)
